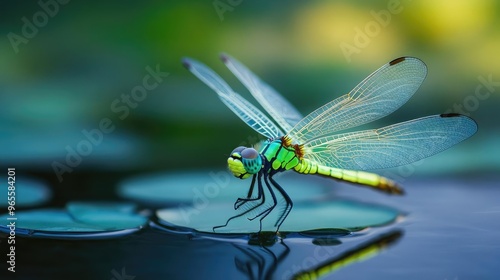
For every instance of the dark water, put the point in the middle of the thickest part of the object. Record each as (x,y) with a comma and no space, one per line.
(451,230)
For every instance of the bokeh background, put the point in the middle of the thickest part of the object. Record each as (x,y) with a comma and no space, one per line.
(63,76)
(66,67)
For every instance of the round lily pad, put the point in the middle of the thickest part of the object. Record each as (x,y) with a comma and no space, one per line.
(305,217)
(28,192)
(109,216)
(215,186)
(78,221)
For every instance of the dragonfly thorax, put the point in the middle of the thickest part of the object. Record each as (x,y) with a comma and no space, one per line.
(281,153)
(244,162)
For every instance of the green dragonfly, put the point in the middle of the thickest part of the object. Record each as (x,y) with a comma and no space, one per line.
(317,143)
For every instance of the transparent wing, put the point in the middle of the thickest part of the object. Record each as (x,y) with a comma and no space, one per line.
(380,94)
(252,116)
(393,145)
(276,105)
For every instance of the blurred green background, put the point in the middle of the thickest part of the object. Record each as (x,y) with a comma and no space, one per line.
(62,65)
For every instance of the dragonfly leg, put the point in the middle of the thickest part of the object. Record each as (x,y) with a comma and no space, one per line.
(241,201)
(266,212)
(260,195)
(289,203)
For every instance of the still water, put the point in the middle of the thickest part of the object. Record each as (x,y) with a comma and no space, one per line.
(446,228)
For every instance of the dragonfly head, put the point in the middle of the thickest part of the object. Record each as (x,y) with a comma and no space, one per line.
(244,162)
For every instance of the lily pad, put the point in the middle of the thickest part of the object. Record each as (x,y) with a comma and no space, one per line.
(195,187)
(79,220)
(109,216)
(305,217)
(28,193)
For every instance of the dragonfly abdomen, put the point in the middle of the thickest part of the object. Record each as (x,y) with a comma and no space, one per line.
(373,180)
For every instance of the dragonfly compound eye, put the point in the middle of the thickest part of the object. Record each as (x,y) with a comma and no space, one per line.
(252,160)
(238,150)
(235,164)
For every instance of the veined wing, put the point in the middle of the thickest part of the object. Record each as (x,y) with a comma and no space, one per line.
(380,94)
(276,105)
(252,116)
(393,145)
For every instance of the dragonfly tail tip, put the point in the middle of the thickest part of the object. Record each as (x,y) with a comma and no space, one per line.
(398,191)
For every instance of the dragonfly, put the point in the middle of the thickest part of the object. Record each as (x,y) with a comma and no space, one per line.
(318,144)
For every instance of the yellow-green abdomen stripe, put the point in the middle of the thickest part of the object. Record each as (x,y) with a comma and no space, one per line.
(358,177)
